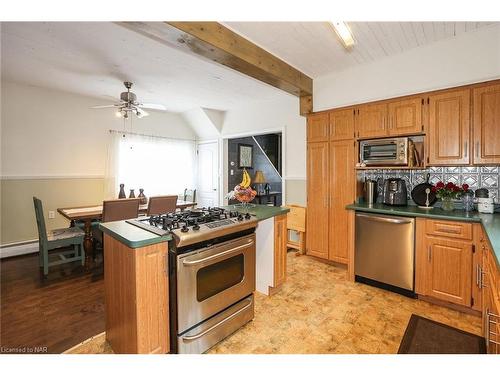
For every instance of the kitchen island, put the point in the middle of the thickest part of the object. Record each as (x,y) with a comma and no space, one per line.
(139,273)
(271,233)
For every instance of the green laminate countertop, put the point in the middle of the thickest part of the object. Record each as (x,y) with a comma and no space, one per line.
(490,222)
(135,237)
(132,236)
(261,211)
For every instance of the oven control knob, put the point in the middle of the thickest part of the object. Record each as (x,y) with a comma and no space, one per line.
(184,229)
(240,217)
(196,227)
(247,216)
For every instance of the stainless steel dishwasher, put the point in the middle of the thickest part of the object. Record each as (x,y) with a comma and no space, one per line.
(385,252)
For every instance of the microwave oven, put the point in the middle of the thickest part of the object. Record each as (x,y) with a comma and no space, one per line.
(388,151)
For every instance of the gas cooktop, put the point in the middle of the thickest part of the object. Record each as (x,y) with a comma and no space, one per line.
(196,225)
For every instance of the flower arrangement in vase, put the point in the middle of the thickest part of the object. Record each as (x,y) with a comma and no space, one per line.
(448,192)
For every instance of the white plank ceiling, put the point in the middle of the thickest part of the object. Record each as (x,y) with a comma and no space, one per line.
(94,58)
(313,47)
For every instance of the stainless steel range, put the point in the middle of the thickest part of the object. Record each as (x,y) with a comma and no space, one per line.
(211,274)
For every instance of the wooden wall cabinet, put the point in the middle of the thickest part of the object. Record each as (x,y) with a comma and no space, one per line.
(405,116)
(371,121)
(280,249)
(486,124)
(341,124)
(449,128)
(136,292)
(317,199)
(317,127)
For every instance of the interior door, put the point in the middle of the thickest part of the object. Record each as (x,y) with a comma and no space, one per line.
(341,166)
(405,117)
(317,199)
(449,270)
(487,125)
(448,138)
(208,175)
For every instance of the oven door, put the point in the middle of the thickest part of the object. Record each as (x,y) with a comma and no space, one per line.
(212,279)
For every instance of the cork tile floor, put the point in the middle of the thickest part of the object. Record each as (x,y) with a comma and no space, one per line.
(318,311)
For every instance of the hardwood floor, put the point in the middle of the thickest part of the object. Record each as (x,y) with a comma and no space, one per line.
(49,315)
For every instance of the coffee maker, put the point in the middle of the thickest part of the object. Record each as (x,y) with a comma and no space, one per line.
(394,192)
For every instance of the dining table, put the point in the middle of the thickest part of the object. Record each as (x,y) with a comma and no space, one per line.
(88,214)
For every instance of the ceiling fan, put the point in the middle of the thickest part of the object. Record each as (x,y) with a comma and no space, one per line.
(129,104)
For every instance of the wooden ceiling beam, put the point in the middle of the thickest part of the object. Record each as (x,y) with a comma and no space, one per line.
(216,42)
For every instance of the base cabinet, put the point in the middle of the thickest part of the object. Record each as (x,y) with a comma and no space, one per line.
(490,281)
(444,261)
(449,270)
(280,249)
(136,292)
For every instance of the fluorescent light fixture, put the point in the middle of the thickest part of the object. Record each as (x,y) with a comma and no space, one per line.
(344,34)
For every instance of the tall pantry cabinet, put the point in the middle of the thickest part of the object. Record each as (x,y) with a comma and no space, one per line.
(330,183)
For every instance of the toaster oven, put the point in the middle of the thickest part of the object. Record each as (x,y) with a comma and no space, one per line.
(388,151)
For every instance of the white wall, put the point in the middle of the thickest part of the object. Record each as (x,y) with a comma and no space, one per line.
(468,58)
(53,133)
(275,115)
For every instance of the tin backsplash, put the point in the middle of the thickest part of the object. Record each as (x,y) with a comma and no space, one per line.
(476,177)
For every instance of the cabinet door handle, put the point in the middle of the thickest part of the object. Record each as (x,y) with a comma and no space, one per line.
(478,276)
(477,149)
(429,253)
(465,149)
(481,280)
(449,230)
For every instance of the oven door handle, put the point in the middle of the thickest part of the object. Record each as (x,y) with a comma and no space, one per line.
(215,256)
(203,333)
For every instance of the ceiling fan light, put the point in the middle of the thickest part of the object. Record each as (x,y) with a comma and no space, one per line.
(344,34)
(118,114)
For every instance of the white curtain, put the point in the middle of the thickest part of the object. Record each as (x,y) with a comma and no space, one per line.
(160,166)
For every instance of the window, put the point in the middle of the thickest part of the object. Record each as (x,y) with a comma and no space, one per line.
(160,166)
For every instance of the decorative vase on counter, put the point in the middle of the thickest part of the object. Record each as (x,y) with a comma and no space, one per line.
(448,192)
(132,194)
(468,201)
(122,194)
(141,195)
(447,204)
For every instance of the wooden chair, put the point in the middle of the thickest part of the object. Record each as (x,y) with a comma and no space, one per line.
(190,195)
(56,239)
(296,221)
(162,204)
(115,210)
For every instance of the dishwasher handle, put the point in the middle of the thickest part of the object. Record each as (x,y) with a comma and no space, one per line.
(384,219)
